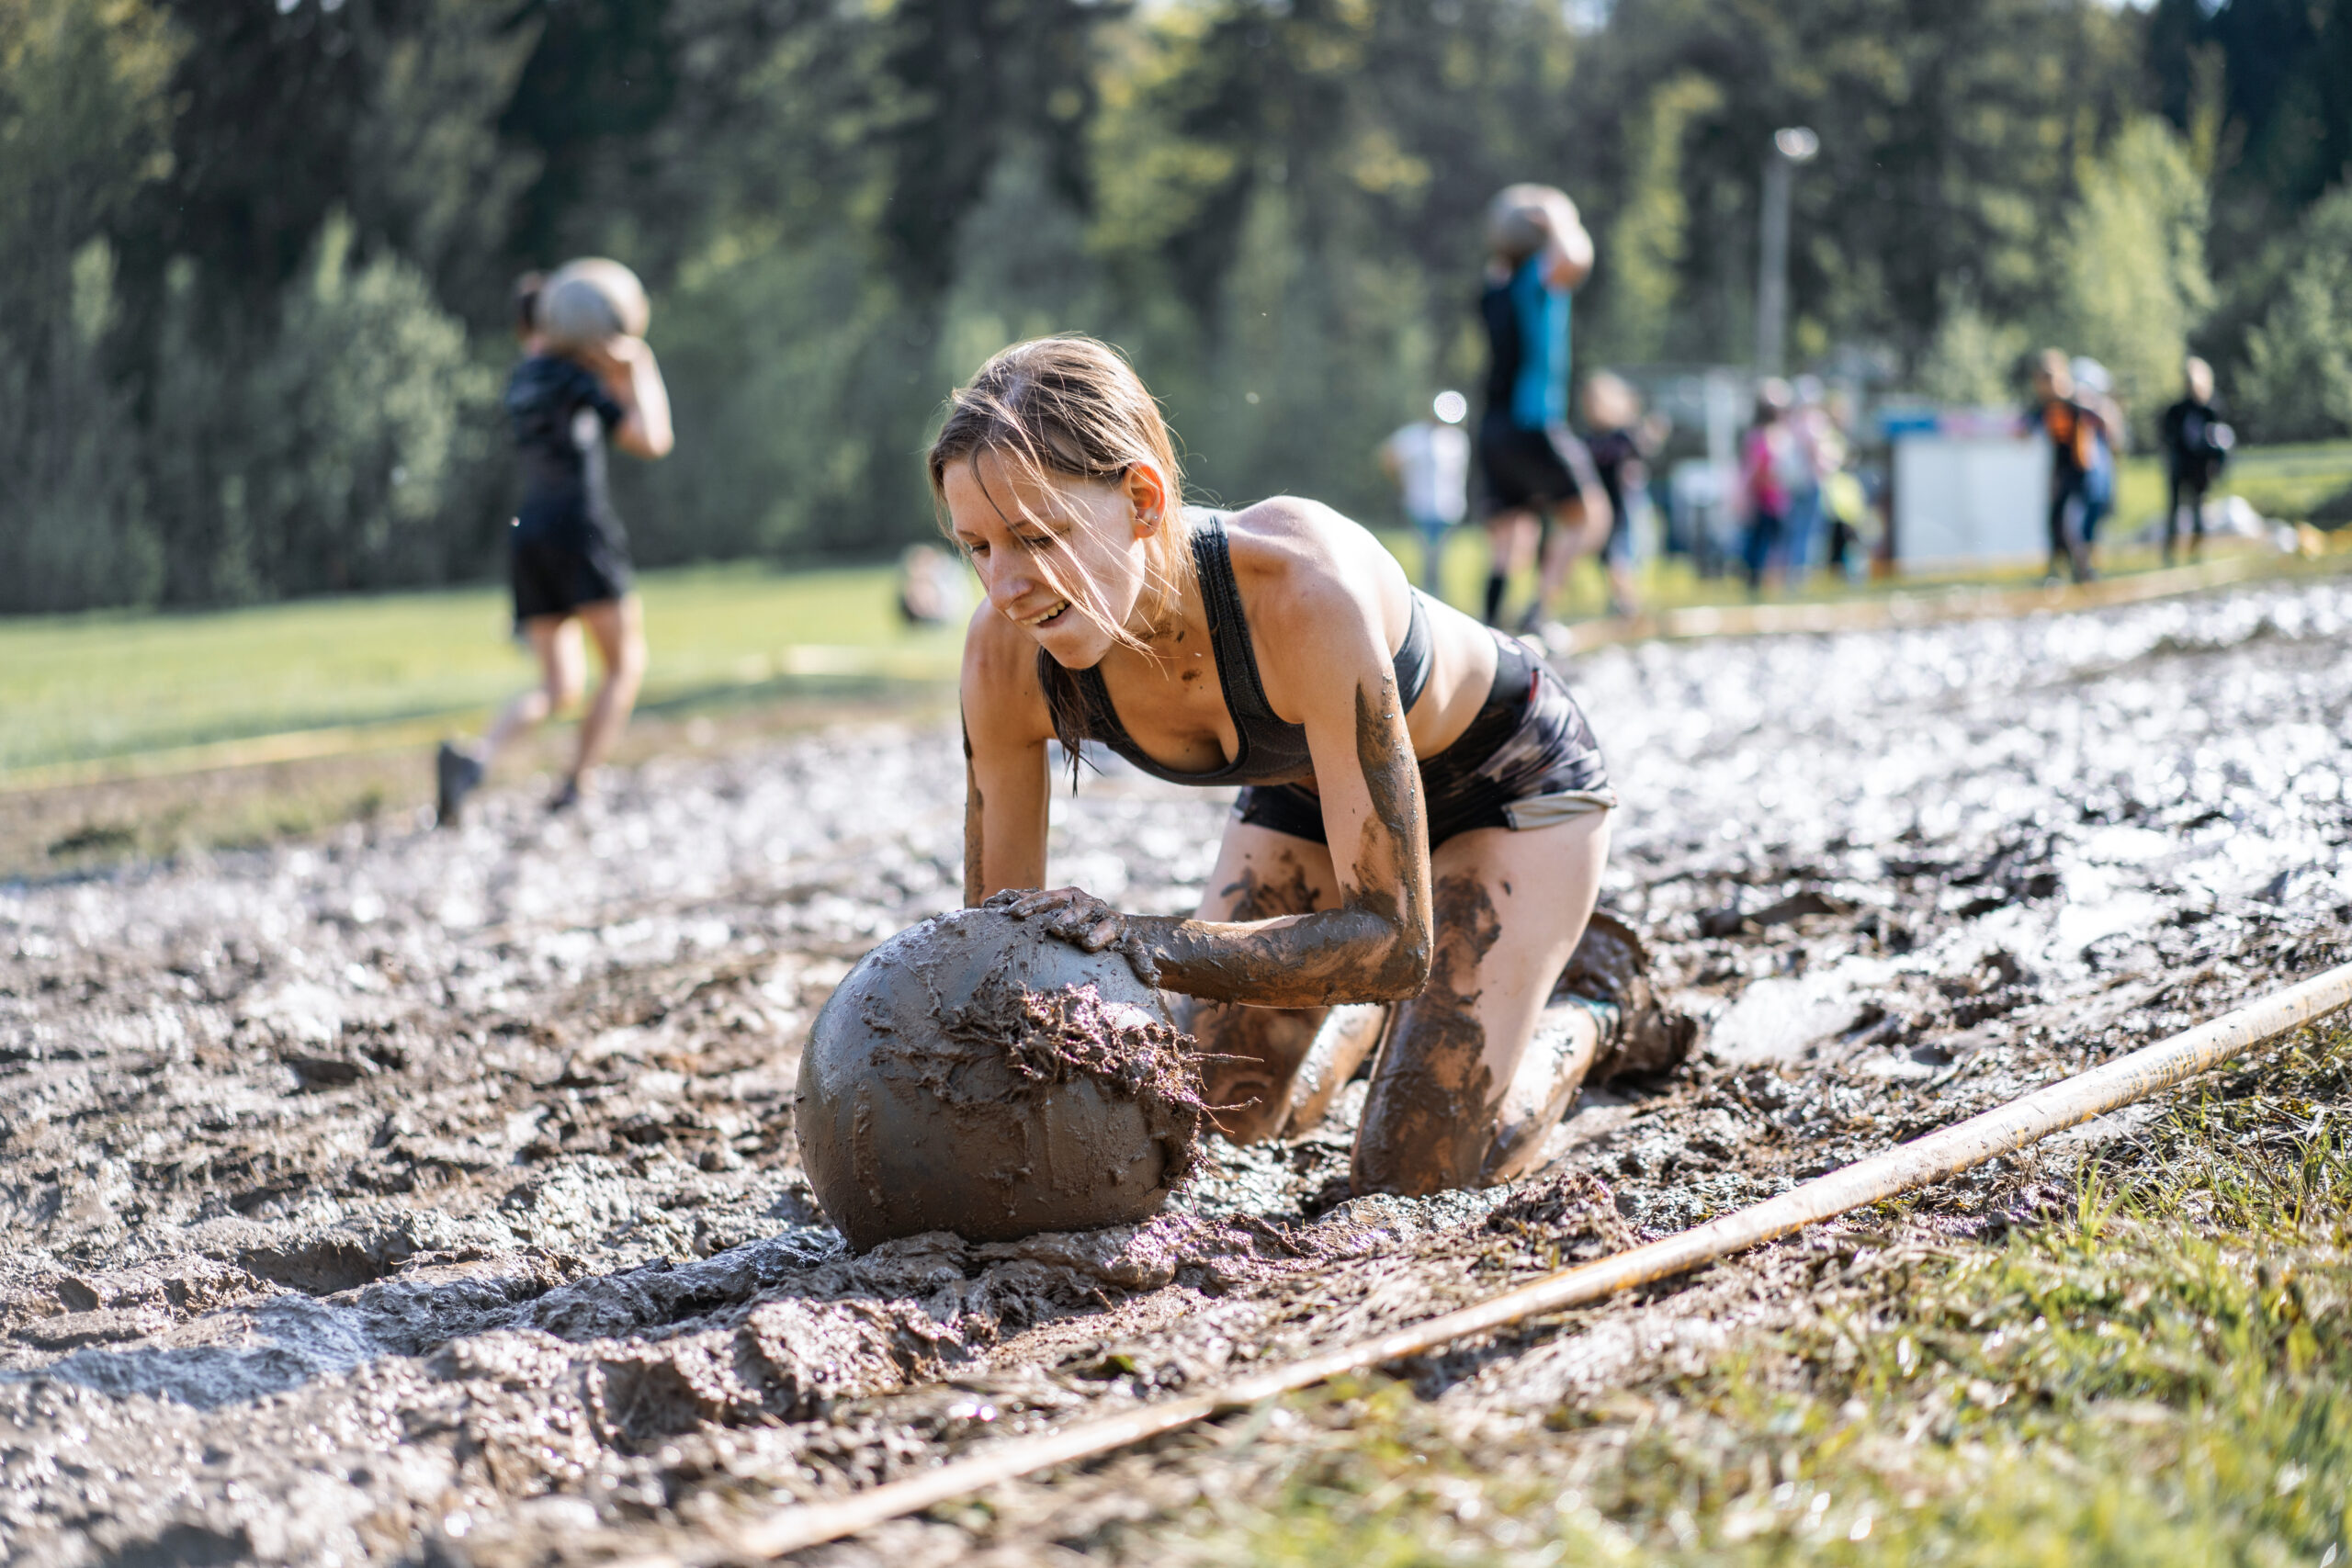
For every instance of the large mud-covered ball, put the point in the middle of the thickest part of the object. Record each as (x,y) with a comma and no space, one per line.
(975,1075)
(586,301)
(1515,219)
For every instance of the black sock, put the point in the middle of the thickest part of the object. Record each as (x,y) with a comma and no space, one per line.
(1496,581)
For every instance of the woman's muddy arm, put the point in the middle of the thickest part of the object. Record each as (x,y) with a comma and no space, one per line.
(1374,948)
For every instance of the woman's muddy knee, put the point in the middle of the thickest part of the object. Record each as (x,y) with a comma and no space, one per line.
(1425,1127)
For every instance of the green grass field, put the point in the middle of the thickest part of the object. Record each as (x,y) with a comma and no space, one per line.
(2280,481)
(85,687)
(99,689)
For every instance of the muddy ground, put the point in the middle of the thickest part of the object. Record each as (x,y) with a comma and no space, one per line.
(395,1196)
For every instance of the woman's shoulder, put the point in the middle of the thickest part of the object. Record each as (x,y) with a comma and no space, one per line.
(1301,562)
(1291,534)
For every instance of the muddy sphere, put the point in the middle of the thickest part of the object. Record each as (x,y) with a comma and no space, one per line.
(974,1075)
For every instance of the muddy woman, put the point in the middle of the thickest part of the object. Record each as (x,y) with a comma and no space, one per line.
(1424,813)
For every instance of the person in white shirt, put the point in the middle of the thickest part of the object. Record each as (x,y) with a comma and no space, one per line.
(1430,460)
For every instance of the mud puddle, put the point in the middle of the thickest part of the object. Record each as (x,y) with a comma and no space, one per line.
(399,1196)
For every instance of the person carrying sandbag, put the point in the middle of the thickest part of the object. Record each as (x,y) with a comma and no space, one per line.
(586,378)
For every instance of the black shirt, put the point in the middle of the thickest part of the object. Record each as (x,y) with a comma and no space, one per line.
(561,414)
(2188,426)
(1271,750)
(1611,451)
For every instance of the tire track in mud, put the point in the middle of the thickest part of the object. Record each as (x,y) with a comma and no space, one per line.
(396,1188)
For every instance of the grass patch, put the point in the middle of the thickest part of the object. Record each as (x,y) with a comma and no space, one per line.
(2287,482)
(81,687)
(2158,1371)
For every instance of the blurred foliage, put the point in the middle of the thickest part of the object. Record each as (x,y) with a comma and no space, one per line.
(2299,360)
(83,126)
(253,258)
(2134,281)
(1973,358)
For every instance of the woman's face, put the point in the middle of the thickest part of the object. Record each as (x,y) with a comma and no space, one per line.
(1038,541)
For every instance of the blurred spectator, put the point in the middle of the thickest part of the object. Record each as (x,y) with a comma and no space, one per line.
(1847,503)
(1765,458)
(2095,389)
(2073,429)
(1848,521)
(932,589)
(1815,450)
(1430,460)
(2197,444)
(1622,441)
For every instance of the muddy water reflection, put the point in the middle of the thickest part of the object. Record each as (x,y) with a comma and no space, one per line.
(362,1192)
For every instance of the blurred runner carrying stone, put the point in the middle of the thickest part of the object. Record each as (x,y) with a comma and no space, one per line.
(1539,478)
(1430,460)
(1417,849)
(586,377)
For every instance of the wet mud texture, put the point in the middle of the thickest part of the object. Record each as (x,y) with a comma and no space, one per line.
(402,1197)
(976,1074)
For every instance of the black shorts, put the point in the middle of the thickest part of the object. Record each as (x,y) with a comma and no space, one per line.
(554,578)
(1533,467)
(1528,760)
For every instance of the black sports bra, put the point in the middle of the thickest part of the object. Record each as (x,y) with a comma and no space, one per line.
(1268,751)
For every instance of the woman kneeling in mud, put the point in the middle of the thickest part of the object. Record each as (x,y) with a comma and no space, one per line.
(1424,820)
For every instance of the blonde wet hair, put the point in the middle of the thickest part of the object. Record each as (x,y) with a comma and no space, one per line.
(1069,406)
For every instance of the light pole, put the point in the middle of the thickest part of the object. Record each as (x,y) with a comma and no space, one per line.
(1791,146)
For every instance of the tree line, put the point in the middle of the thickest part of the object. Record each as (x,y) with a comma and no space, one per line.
(254,258)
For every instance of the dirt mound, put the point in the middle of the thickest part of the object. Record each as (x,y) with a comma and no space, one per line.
(975,1076)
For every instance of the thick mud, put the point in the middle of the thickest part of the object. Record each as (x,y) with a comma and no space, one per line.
(400,1197)
(975,1075)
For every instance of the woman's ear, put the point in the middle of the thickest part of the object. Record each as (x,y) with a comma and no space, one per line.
(1147,493)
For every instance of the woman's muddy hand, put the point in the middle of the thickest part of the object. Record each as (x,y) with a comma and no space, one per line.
(1079,917)
(1073,914)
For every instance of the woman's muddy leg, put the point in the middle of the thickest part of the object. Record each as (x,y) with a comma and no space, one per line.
(1252,1057)
(1558,1056)
(1456,1074)
(1344,1039)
